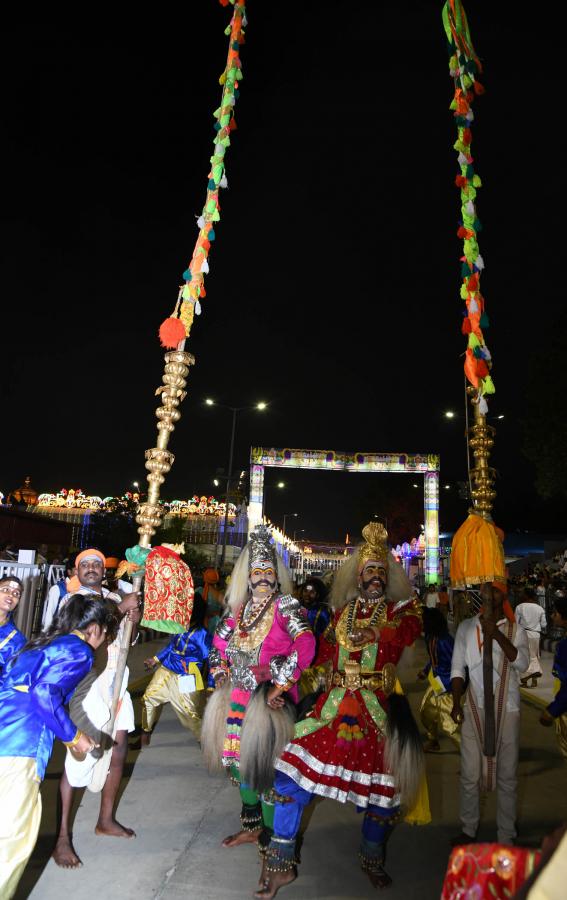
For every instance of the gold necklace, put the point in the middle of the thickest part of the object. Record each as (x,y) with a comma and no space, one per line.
(348,619)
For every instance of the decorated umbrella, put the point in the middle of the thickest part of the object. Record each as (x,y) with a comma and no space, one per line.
(167,607)
(477,556)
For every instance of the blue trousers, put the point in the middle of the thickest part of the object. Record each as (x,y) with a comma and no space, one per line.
(376,824)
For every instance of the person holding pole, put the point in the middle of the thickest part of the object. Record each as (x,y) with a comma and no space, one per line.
(479,770)
(97,704)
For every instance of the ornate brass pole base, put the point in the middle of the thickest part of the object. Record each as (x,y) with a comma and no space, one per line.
(159,461)
(481,441)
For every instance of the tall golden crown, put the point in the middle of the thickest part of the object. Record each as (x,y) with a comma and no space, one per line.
(375,545)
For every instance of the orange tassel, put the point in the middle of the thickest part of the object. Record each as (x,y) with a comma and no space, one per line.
(171,333)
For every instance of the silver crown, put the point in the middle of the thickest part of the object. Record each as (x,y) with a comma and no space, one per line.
(261,546)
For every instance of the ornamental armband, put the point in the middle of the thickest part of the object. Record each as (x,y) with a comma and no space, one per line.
(291,609)
(282,669)
(224,631)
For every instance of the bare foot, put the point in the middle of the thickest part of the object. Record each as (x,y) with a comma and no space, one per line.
(264,876)
(379,878)
(64,855)
(242,837)
(275,882)
(114,829)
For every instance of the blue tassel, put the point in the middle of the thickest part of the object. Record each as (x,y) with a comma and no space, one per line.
(211,235)
(187,275)
(212,185)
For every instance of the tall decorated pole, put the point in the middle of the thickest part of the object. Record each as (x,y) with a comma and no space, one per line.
(173,334)
(477,556)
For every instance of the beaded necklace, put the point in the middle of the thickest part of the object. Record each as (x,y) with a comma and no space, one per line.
(246,626)
(353,609)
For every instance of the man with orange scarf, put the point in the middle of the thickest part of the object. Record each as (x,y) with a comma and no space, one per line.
(511,656)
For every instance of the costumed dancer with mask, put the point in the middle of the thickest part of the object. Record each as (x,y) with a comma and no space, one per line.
(360,743)
(260,649)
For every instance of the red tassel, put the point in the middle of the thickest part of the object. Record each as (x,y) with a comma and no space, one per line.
(467,136)
(202,292)
(481,368)
(224,2)
(460,181)
(466,326)
(171,333)
(478,88)
(462,232)
(473,283)
(232,126)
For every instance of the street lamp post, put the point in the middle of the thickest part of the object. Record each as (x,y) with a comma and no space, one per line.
(234,410)
(301,531)
(288,516)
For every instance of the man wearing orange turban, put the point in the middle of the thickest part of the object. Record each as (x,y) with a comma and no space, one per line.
(97,696)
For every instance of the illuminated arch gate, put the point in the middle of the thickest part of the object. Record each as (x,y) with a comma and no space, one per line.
(337,461)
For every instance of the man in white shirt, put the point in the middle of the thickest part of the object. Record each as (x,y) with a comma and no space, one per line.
(55,596)
(90,571)
(510,658)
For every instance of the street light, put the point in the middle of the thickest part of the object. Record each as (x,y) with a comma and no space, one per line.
(288,516)
(449,414)
(301,531)
(234,410)
(135,484)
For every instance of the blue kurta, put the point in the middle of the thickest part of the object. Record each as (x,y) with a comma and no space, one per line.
(318,616)
(440,652)
(33,694)
(191,646)
(11,640)
(559,705)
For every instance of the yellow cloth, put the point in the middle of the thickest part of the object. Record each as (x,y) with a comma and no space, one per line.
(311,680)
(164,688)
(20,803)
(435,714)
(477,554)
(420,813)
(550,885)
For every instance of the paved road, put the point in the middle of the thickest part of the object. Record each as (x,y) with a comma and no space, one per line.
(181,814)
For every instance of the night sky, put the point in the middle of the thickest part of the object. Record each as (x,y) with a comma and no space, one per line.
(333,291)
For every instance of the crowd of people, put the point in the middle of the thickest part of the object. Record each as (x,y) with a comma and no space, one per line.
(292,691)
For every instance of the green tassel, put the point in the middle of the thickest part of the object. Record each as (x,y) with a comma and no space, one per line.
(484,321)
(470,173)
(477,352)
(477,225)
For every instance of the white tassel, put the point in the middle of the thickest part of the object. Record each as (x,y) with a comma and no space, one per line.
(486,353)
(223,183)
(462,160)
(197,308)
(482,406)
(205,267)
(473,305)
(469,206)
(200,222)
(219,150)
(244,21)
(231,100)
(479,262)
(470,116)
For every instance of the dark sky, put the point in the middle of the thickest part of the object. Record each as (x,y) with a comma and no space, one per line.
(334,281)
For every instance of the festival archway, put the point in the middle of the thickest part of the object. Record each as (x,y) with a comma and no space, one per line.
(414,464)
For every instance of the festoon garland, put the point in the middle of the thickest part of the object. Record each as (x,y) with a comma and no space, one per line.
(178,326)
(464,65)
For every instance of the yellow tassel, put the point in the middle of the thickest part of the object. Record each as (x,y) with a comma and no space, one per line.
(187,315)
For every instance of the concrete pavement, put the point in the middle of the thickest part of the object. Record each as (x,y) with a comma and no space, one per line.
(181,814)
